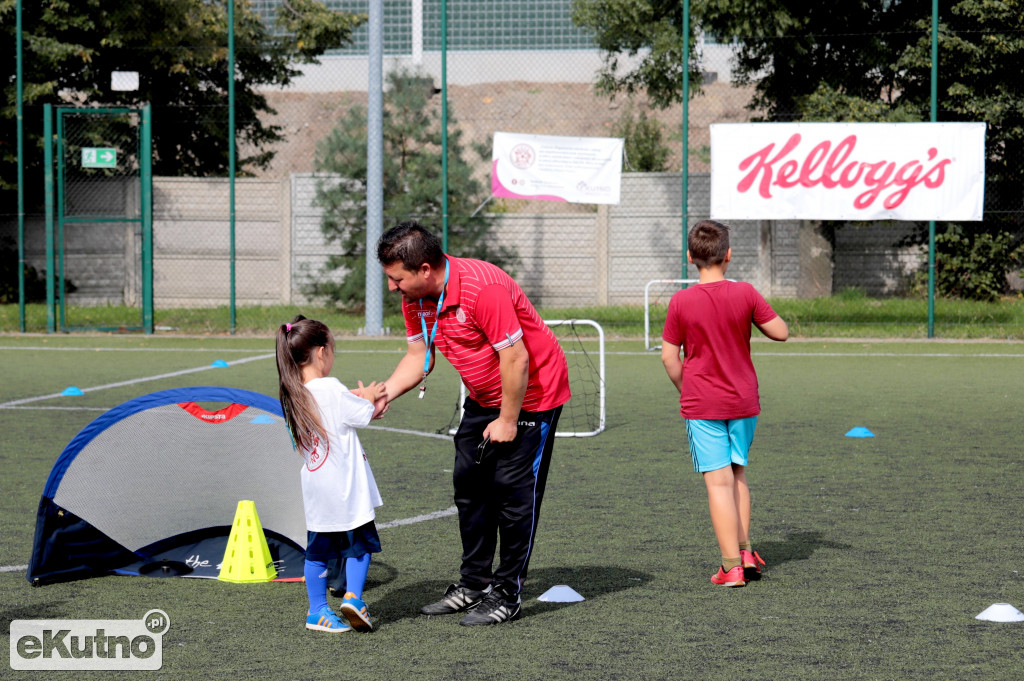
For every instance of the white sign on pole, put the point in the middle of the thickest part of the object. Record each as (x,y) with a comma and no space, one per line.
(550,168)
(848,171)
(126,81)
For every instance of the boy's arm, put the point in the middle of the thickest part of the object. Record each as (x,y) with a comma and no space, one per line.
(673,364)
(775,329)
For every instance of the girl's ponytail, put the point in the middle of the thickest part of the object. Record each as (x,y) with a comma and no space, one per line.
(296,343)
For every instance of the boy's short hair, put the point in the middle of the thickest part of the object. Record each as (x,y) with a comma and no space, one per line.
(708,243)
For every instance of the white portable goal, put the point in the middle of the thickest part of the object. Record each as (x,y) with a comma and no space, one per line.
(584,414)
(667,285)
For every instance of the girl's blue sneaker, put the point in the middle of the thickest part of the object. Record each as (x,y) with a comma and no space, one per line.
(355,611)
(325,619)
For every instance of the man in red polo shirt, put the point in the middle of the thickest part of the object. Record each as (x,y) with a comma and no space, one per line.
(517,379)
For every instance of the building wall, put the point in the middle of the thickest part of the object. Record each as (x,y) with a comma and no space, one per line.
(868,257)
(191,242)
(606,256)
(603,256)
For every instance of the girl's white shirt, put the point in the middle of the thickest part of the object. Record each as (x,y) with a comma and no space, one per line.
(338,489)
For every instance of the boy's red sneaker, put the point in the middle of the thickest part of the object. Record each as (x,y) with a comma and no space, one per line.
(733,577)
(752,563)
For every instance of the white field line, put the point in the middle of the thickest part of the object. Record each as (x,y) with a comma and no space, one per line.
(624,353)
(904,355)
(337,351)
(403,431)
(41,348)
(383,526)
(60,408)
(451,510)
(134,381)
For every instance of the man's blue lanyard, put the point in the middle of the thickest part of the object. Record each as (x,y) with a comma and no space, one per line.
(429,339)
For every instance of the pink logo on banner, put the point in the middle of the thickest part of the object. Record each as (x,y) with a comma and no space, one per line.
(832,167)
(522,156)
(501,191)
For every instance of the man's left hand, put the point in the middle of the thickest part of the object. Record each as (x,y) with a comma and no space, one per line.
(501,431)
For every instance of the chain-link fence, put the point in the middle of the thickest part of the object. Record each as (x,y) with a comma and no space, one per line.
(521,67)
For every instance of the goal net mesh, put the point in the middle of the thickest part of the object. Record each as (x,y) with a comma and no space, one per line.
(582,340)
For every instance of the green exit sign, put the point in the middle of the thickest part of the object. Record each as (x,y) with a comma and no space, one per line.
(99,157)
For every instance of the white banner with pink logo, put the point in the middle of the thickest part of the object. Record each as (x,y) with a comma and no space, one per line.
(550,168)
(848,171)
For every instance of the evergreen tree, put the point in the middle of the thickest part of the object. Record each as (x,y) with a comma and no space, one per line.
(412,188)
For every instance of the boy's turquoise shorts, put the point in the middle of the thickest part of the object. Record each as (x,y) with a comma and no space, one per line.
(716,444)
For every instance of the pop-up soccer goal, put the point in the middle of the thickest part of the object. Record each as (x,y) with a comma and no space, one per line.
(152,486)
(584,414)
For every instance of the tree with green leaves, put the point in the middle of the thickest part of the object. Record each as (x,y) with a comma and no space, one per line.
(626,28)
(643,142)
(412,187)
(846,61)
(788,49)
(974,265)
(179,49)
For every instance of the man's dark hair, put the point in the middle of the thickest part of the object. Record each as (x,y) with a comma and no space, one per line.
(708,243)
(411,244)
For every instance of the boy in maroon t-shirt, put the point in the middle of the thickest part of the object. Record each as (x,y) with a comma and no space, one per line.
(710,324)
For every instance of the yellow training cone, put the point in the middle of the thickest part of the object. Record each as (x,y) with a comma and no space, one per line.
(247,556)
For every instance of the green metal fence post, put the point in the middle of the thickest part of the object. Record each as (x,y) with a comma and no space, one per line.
(61,285)
(934,118)
(231,151)
(146,194)
(686,128)
(444,125)
(51,322)
(20,88)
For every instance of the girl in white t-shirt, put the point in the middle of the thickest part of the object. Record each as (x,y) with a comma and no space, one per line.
(338,490)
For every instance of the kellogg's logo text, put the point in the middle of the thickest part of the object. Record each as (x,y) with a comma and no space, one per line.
(831,166)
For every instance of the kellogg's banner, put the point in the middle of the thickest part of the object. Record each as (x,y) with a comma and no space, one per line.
(848,171)
(548,168)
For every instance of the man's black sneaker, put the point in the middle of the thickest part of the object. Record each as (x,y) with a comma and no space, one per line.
(494,609)
(456,599)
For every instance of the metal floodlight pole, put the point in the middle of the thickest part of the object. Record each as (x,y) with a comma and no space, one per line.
(686,128)
(373,325)
(231,155)
(444,125)
(934,118)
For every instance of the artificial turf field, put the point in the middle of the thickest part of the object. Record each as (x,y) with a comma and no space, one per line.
(880,550)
